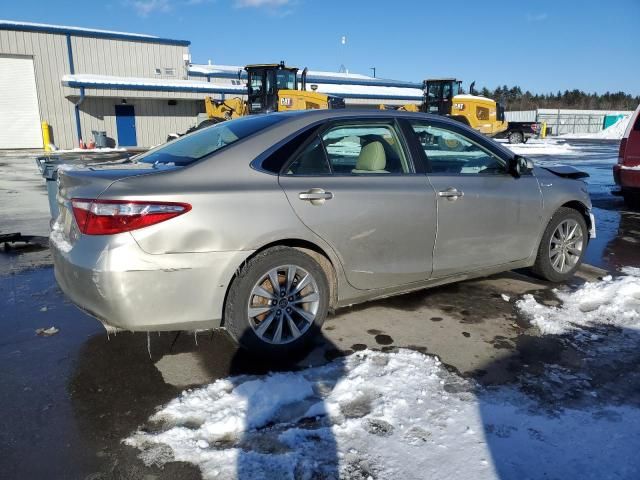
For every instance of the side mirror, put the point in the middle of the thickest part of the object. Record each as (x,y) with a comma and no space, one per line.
(519,165)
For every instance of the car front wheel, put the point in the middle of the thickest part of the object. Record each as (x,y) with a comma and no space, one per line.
(277,303)
(562,247)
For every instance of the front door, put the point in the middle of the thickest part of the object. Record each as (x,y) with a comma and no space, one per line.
(486,217)
(354,187)
(126,125)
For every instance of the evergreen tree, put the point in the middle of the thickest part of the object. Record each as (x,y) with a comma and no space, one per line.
(513,98)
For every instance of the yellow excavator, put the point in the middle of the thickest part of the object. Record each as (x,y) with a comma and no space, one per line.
(444,96)
(271,87)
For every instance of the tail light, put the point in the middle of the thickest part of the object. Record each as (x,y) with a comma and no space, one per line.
(108,217)
(623,147)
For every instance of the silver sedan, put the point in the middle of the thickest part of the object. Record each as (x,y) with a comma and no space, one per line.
(263,224)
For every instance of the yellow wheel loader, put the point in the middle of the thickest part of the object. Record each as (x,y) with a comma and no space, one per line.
(443,96)
(272,87)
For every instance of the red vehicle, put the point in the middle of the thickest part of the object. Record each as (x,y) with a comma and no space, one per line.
(627,171)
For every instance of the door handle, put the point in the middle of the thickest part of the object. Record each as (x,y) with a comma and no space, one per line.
(451,193)
(317,196)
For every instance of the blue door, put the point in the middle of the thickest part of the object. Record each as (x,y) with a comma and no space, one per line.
(126,125)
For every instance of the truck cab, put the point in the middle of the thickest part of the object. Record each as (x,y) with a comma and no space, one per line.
(264,83)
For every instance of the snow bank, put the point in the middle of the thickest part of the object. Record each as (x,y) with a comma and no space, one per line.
(543,147)
(613,132)
(384,415)
(609,302)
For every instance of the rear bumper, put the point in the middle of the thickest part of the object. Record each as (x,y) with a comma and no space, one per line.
(112,279)
(626,177)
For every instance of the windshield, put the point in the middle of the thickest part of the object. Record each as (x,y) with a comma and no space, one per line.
(286,80)
(201,143)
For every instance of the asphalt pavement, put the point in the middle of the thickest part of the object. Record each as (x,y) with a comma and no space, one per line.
(68,399)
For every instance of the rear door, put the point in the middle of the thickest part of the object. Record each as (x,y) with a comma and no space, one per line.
(486,217)
(354,185)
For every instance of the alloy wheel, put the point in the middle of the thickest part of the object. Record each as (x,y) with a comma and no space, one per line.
(565,245)
(283,304)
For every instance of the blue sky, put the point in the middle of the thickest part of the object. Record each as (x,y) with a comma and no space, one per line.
(541,46)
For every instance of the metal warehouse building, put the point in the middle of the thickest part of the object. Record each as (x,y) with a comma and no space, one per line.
(57,74)
(136,88)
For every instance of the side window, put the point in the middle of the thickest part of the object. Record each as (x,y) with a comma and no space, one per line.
(311,161)
(482,113)
(365,149)
(451,153)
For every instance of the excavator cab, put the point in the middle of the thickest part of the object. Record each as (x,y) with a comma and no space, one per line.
(264,83)
(439,93)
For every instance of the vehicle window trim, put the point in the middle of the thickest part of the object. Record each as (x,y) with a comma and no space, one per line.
(328,125)
(483,144)
(418,156)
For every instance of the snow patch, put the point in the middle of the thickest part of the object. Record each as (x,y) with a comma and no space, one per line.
(608,302)
(543,147)
(613,132)
(385,415)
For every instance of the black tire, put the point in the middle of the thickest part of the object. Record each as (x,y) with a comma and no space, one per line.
(543,267)
(631,198)
(516,137)
(236,315)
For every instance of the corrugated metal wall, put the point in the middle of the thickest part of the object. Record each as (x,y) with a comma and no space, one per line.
(127,58)
(521,116)
(154,117)
(50,63)
(562,121)
(103,56)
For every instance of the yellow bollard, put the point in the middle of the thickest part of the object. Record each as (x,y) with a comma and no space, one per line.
(46,137)
(543,130)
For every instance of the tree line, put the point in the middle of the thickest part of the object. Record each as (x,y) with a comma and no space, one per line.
(513,98)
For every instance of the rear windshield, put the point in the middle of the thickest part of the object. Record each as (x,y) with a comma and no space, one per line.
(201,143)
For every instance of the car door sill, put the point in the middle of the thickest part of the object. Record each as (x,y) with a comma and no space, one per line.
(369,295)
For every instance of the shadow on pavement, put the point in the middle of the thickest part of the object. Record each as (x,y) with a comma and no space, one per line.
(572,411)
(116,388)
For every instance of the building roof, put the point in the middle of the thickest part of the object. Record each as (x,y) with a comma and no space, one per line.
(313,76)
(193,86)
(87,32)
(149,84)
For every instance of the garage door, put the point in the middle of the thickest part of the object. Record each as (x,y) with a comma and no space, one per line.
(19,115)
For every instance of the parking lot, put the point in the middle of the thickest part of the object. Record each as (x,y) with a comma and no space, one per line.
(74,396)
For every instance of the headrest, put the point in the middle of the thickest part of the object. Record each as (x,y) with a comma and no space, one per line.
(372,157)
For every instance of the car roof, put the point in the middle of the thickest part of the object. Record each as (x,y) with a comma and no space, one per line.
(330,114)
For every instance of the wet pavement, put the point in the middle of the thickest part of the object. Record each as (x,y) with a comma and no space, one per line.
(70,398)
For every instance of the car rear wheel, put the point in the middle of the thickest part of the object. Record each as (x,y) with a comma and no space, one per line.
(562,247)
(277,303)
(631,198)
(516,137)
